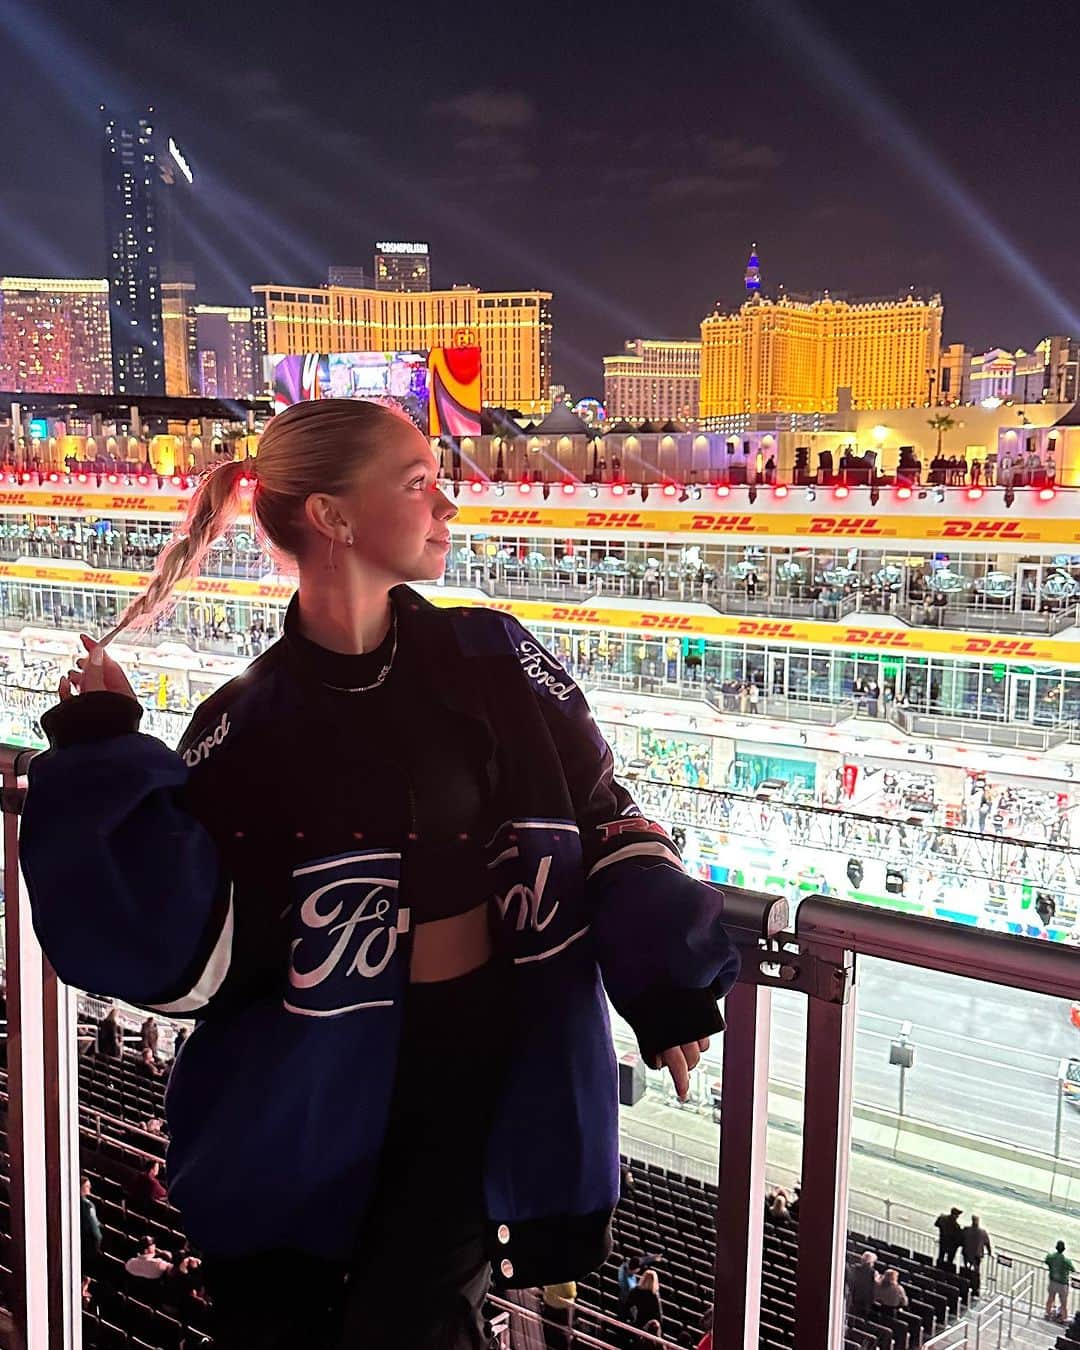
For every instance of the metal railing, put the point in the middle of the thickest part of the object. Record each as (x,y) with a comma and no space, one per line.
(1005,735)
(820,960)
(985,618)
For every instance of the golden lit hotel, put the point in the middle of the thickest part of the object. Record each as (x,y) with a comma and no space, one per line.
(792,356)
(653,380)
(511,328)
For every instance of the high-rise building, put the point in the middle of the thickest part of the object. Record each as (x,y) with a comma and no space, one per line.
(511,328)
(179,334)
(54,336)
(953,373)
(346,274)
(130,177)
(788,355)
(658,381)
(230,357)
(402,267)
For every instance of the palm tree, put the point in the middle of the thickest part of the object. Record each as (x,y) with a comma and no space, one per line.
(941,423)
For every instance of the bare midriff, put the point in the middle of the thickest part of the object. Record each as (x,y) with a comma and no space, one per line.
(443,949)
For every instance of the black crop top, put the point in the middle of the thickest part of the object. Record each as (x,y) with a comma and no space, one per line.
(401,771)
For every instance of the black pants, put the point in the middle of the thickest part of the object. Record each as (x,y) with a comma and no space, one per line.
(972,1268)
(287,1300)
(420,1274)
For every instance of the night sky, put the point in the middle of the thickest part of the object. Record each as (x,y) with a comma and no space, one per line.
(621,155)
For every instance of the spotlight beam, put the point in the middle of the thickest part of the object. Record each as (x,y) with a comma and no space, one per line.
(842,79)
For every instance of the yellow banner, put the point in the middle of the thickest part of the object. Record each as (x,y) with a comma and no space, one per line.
(864,636)
(861,635)
(915,527)
(92,503)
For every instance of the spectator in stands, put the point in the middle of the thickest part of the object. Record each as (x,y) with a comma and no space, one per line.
(793,1207)
(149,1036)
(628,1276)
(148,1263)
(950,1238)
(974,1244)
(89,1235)
(148,1066)
(184,1289)
(652,1328)
(178,1041)
(558,1312)
(1060,1269)
(889,1292)
(776,1207)
(144,1187)
(863,1284)
(110,1037)
(643,1304)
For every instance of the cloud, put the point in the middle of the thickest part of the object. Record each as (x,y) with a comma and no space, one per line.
(695,186)
(490,109)
(694,170)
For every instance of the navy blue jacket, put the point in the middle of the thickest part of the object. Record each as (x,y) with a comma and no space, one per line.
(180,882)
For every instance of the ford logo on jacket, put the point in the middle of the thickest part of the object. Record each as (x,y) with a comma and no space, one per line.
(295,970)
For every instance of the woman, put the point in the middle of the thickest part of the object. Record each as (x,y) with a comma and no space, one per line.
(386,873)
(643,1303)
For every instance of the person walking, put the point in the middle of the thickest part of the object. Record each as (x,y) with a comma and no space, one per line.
(974,1245)
(110,1037)
(1060,1270)
(950,1238)
(437,905)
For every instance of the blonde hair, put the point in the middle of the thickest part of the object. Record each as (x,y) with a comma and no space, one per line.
(315,446)
(650,1280)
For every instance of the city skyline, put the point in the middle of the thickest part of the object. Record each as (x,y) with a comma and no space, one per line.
(637,222)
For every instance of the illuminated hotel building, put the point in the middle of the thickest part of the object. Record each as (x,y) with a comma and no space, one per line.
(786,355)
(54,336)
(658,381)
(132,253)
(178,327)
(402,267)
(511,328)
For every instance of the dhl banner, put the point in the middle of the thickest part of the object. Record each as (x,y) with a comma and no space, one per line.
(567,521)
(916,528)
(93,503)
(862,636)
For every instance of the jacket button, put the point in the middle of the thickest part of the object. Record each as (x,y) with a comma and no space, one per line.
(503,1234)
(506,1269)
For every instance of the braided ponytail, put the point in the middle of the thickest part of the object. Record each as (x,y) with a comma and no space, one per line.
(212,509)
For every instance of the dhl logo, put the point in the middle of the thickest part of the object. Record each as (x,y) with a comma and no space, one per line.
(666,621)
(565,613)
(722,524)
(214,586)
(976,646)
(982,529)
(752,628)
(877,637)
(845,525)
(514,515)
(614,520)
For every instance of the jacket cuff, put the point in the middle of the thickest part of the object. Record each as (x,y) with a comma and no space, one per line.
(96,716)
(535,1252)
(664,1018)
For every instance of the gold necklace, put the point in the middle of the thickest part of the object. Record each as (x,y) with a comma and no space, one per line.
(363,688)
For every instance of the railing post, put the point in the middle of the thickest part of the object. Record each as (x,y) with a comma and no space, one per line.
(830,1046)
(740,1205)
(42,1137)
